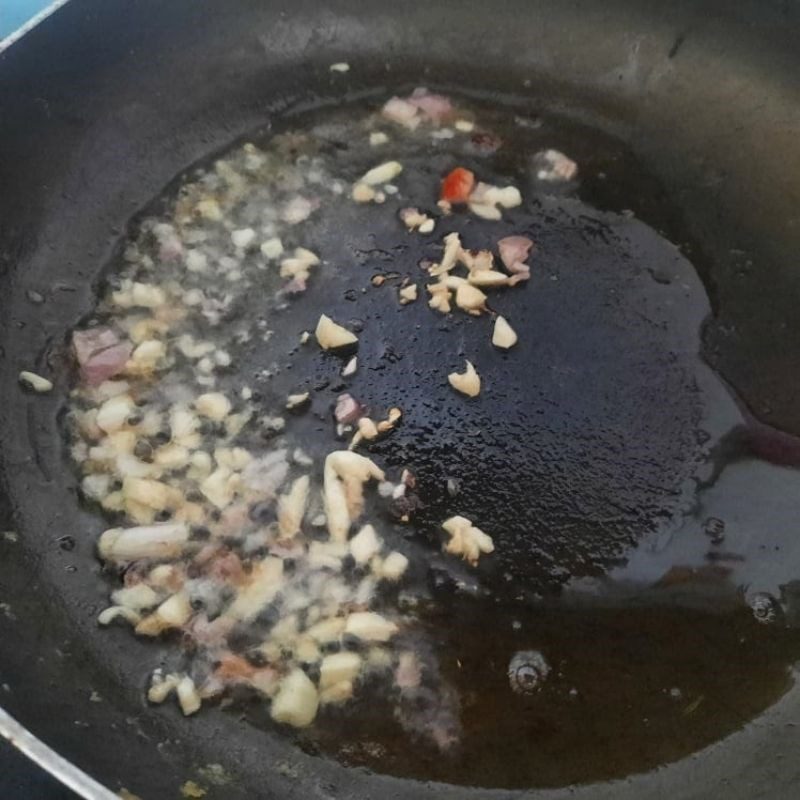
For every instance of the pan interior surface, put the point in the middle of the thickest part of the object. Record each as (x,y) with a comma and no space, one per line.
(588,455)
(713,540)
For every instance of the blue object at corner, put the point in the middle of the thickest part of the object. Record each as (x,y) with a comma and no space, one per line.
(15,13)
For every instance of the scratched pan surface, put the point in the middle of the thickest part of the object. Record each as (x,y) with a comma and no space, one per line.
(607,442)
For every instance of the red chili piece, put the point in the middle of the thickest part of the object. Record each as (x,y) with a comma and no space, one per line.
(458,185)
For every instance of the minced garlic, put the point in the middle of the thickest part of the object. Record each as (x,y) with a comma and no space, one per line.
(503,335)
(467,382)
(332,336)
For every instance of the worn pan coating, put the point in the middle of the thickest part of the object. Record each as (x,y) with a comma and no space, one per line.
(106,101)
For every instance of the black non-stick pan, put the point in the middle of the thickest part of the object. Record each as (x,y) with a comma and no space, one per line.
(691,110)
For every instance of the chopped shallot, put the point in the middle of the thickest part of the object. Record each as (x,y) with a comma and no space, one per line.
(435,107)
(402,112)
(553,166)
(414,219)
(100,354)
(348,409)
(514,252)
(408,674)
(298,268)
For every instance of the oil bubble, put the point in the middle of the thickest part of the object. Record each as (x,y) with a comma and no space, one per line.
(527,670)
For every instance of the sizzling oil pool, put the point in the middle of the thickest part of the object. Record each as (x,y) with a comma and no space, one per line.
(277,499)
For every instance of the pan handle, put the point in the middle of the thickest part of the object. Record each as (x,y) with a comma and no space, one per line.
(47,758)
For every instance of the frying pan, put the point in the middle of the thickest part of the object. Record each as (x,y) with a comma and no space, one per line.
(104,103)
